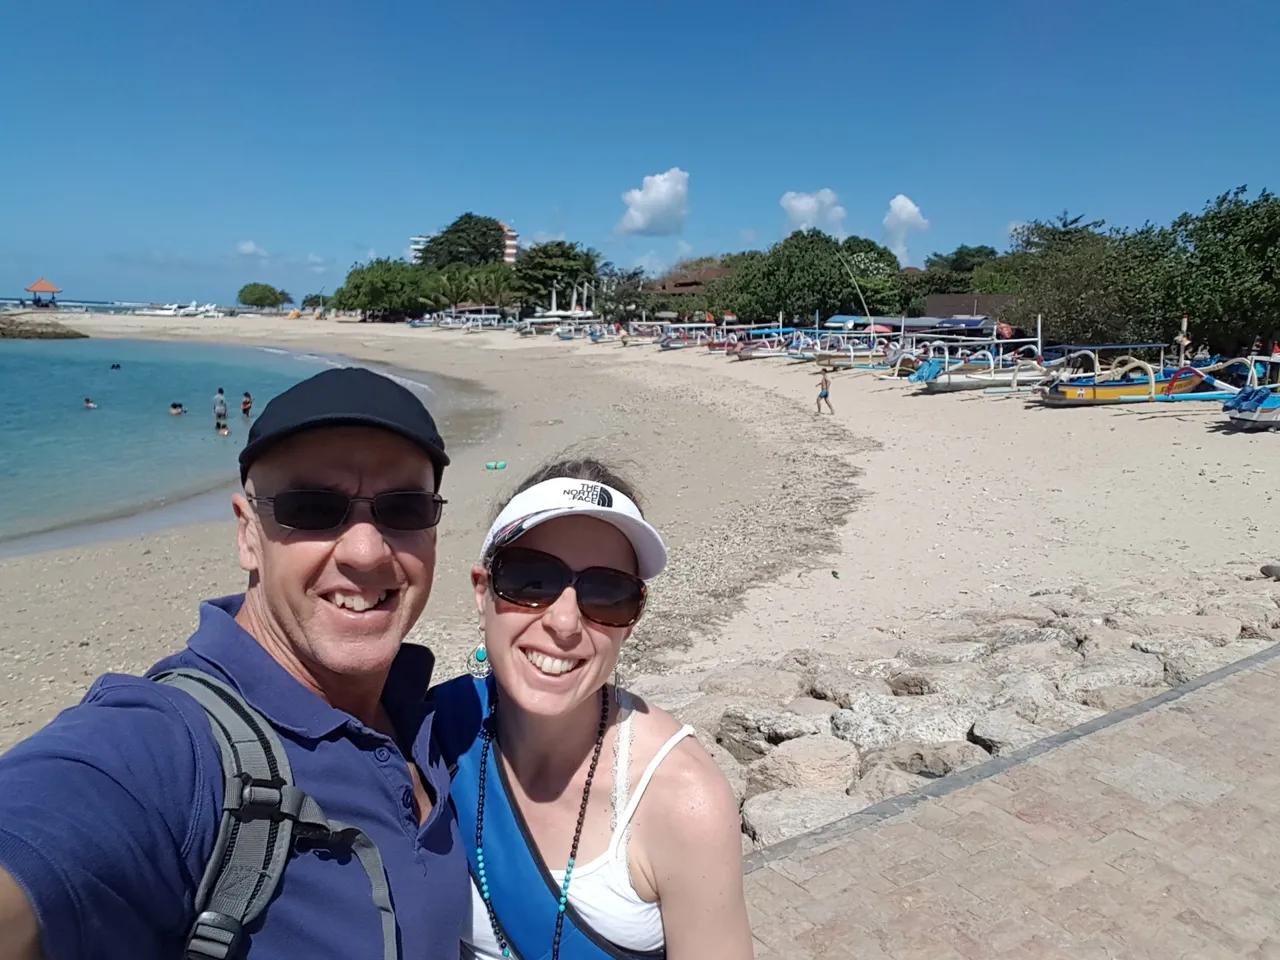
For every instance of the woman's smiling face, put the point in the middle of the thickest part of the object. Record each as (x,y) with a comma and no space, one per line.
(551,659)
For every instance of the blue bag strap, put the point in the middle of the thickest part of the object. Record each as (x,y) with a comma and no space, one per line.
(528,920)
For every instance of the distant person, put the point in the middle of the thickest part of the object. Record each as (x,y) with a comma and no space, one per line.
(824,394)
(115,366)
(222,429)
(219,410)
(176,409)
(89,404)
(246,406)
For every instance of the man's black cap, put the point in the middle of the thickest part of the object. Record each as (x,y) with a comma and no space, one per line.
(345,397)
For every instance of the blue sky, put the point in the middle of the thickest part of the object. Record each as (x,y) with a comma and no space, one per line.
(182,149)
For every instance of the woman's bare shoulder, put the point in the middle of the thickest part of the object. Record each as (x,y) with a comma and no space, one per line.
(687,782)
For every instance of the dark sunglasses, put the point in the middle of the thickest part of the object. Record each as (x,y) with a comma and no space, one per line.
(319,510)
(533,579)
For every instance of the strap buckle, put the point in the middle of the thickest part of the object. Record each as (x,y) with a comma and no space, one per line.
(248,798)
(216,936)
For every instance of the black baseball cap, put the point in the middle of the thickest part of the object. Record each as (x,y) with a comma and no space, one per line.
(345,397)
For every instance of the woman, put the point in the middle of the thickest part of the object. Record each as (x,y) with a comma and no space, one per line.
(596,825)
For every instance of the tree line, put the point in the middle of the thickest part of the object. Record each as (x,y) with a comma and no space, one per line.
(1090,282)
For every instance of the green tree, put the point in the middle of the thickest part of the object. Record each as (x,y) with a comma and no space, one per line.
(262,295)
(495,285)
(963,259)
(559,263)
(470,241)
(284,297)
(384,289)
(312,300)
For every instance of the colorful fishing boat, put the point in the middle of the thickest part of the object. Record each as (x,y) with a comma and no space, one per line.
(1129,380)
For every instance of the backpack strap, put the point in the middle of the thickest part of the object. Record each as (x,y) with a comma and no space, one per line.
(263,812)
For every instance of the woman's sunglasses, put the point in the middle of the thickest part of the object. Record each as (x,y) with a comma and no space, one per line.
(316,511)
(533,579)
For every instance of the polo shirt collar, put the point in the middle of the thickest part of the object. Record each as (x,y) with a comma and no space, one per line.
(277,695)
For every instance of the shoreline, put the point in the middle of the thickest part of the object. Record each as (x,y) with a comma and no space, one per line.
(467,415)
(945,578)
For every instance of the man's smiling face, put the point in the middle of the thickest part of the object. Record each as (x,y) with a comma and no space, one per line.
(341,601)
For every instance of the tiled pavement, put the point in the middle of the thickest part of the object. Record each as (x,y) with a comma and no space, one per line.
(1152,835)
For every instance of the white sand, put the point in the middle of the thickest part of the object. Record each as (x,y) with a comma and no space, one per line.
(966,500)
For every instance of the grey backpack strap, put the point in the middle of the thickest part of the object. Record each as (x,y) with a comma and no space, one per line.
(262,813)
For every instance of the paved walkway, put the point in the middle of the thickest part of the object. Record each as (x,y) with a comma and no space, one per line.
(1153,834)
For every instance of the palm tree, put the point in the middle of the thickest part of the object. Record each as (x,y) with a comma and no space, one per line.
(457,284)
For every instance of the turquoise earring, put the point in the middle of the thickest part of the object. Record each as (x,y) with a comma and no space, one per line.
(478,662)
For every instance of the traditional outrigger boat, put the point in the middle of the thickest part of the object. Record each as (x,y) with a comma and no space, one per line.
(1128,380)
(983,369)
(1251,406)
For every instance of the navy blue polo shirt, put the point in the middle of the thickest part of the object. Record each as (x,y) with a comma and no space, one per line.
(108,815)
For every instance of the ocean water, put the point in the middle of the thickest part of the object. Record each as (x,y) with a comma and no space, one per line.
(63,466)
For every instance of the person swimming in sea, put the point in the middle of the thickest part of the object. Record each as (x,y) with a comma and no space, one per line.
(246,406)
(176,409)
(220,411)
(89,404)
(115,366)
(222,429)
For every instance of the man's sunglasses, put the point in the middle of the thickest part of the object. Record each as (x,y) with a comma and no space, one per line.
(320,510)
(533,579)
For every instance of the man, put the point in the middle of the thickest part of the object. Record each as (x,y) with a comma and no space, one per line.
(108,816)
(219,411)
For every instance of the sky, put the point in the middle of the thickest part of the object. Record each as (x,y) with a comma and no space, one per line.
(175,151)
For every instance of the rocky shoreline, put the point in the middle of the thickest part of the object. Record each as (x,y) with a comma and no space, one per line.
(816,735)
(27,326)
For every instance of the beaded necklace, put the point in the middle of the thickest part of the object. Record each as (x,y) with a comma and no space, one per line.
(490,731)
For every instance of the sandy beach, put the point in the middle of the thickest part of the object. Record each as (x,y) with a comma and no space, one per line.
(903,521)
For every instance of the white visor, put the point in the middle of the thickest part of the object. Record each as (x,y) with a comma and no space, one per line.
(563,497)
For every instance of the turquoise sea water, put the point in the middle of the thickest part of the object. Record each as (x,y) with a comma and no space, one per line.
(62,465)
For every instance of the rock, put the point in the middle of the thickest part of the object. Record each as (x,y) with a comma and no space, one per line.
(668,692)
(930,760)
(1062,715)
(734,772)
(881,783)
(1035,614)
(1111,699)
(873,721)
(752,682)
(1217,630)
(750,732)
(924,654)
(1198,659)
(1257,616)
(1023,634)
(747,845)
(1048,659)
(1099,640)
(841,687)
(780,814)
(943,631)
(812,707)
(28,327)
(1129,672)
(1003,731)
(704,713)
(1025,691)
(821,761)
(953,682)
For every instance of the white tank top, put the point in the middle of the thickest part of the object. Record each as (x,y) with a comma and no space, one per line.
(601,890)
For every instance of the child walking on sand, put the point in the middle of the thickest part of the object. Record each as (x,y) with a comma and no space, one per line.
(824,394)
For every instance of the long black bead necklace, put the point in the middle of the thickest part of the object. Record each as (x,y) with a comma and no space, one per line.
(490,731)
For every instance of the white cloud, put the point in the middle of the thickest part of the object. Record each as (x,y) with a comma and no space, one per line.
(747,235)
(821,210)
(683,248)
(651,263)
(903,217)
(316,263)
(659,207)
(1013,227)
(543,236)
(249,249)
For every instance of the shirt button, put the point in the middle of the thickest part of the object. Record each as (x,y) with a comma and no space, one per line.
(406,798)
(382,754)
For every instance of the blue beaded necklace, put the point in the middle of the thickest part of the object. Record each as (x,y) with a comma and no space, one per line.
(490,731)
